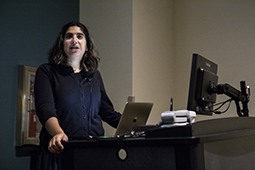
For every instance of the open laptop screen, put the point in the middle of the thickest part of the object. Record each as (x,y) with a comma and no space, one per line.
(134,114)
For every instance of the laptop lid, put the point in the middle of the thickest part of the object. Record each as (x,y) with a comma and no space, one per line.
(134,114)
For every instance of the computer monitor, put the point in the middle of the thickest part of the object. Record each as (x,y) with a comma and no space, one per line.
(203,78)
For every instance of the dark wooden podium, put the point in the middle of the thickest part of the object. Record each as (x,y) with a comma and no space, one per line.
(227,143)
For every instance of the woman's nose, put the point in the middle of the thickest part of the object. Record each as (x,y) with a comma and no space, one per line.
(74,40)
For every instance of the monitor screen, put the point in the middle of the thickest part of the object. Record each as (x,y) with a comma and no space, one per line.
(203,78)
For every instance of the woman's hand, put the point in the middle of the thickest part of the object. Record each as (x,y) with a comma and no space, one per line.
(55,145)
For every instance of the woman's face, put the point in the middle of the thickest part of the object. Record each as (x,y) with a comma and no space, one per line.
(74,43)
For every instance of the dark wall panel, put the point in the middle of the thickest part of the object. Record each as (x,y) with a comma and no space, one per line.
(27,30)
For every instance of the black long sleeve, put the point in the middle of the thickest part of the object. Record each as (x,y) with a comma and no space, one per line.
(80,106)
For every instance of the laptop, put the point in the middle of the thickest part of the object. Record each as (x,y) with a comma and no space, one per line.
(134,114)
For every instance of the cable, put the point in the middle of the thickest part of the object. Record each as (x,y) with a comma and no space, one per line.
(219,112)
(221,104)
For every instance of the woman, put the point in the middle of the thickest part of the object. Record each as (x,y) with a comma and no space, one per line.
(70,96)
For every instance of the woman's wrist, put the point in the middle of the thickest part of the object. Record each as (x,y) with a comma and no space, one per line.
(53,127)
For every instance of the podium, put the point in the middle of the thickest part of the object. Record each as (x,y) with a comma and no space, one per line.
(227,143)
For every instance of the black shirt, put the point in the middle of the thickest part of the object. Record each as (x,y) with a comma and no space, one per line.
(79,104)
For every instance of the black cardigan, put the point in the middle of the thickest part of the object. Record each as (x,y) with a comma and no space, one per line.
(80,106)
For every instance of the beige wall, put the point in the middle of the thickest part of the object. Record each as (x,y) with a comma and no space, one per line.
(146,47)
(153,54)
(110,23)
(222,31)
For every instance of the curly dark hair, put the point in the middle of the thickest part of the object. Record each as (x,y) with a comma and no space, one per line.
(90,59)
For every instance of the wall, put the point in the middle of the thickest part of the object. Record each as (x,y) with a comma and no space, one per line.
(153,54)
(222,31)
(27,30)
(166,33)
(164,36)
(110,23)
(136,57)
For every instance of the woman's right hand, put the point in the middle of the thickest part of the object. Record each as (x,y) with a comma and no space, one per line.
(58,135)
(55,145)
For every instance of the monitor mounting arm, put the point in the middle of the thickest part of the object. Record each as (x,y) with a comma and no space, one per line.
(242,96)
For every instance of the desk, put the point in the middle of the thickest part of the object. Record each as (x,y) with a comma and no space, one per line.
(141,154)
(216,144)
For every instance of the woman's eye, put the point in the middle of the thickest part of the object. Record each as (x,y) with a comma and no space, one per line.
(68,36)
(79,36)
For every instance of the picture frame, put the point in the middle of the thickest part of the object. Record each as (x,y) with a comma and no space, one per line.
(27,123)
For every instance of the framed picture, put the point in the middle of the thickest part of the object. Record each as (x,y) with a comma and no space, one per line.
(27,124)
